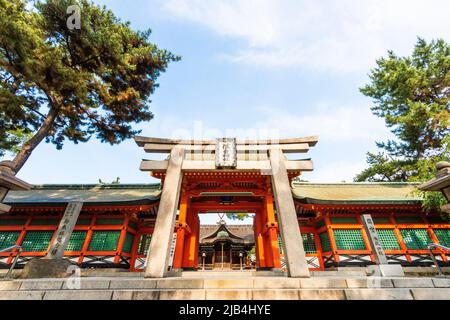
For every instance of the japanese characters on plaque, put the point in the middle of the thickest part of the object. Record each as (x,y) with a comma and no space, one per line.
(374,239)
(172,249)
(65,229)
(226,155)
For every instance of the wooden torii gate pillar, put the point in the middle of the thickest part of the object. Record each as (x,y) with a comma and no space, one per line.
(229,155)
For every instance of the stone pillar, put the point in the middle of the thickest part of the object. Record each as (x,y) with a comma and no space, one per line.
(3,207)
(8,181)
(65,228)
(383,267)
(53,265)
(440,183)
(296,263)
(3,192)
(159,252)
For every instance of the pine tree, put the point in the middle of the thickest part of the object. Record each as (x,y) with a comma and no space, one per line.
(59,83)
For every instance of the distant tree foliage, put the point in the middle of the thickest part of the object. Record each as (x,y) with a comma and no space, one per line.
(237,216)
(412,94)
(58,84)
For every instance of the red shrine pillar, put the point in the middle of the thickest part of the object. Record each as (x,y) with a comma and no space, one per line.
(259,239)
(271,228)
(266,235)
(182,229)
(191,241)
(266,238)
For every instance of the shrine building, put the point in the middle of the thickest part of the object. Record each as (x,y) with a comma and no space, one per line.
(226,247)
(155,228)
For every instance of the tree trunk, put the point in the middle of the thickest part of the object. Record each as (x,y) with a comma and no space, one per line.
(28,147)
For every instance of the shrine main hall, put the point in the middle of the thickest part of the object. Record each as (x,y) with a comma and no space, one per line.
(297,227)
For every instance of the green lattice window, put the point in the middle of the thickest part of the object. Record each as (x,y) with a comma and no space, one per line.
(8,238)
(349,239)
(104,241)
(144,244)
(108,221)
(443,236)
(381,220)
(128,243)
(325,242)
(405,220)
(12,222)
(308,243)
(44,222)
(388,239)
(344,220)
(36,241)
(415,239)
(76,241)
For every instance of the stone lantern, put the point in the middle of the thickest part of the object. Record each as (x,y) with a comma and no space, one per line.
(8,181)
(440,183)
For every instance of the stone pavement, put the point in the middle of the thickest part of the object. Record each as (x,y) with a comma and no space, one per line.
(228,288)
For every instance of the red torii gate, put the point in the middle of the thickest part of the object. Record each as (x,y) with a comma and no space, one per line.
(195,199)
(226,167)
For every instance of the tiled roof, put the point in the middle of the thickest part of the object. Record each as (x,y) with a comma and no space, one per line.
(114,194)
(398,193)
(243,231)
(401,193)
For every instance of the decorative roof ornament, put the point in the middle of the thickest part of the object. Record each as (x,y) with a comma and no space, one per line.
(440,183)
(9,181)
(221,218)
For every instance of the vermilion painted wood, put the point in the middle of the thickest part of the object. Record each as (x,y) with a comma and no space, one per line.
(265,236)
(181,227)
(273,230)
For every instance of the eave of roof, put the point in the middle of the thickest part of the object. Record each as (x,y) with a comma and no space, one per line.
(356,193)
(90,194)
(436,184)
(221,227)
(137,194)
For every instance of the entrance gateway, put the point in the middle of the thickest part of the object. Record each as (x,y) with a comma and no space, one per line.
(226,175)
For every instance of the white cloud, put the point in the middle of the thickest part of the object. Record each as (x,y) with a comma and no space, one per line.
(342,130)
(340,35)
(330,122)
(244,19)
(213,218)
(335,171)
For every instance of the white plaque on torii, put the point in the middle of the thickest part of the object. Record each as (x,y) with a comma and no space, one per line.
(226,155)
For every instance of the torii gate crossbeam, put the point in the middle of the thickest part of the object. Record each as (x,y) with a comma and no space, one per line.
(226,155)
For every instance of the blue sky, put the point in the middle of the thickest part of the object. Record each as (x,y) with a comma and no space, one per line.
(256,68)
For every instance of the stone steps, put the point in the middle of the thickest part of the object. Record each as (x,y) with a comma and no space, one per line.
(231,294)
(340,273)
(252,273)
(231,274)
(248,288)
